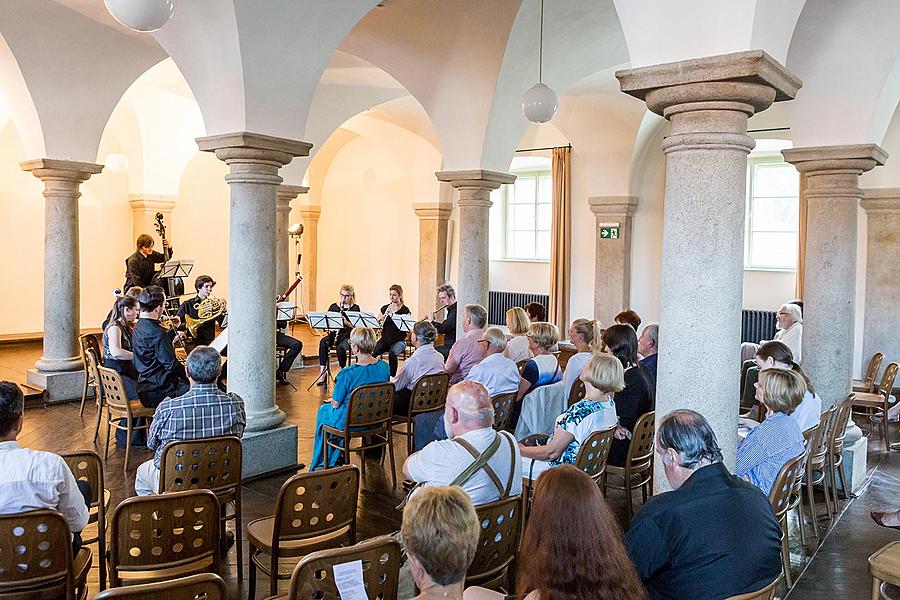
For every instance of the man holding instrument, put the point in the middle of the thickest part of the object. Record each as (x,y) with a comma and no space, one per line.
(160,375)
(140,267)
(447,327)
(206,332)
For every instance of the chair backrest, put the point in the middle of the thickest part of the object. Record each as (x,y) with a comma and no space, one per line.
(92,361)
(86,466)
(498,541)
(203,586)
(317,503)
(839,429)
(818,445)
(872,370)
(170,531)
(89,341)
(642,449)
(503,404)
(520,364)
(114,393)
(206,463)
(887,380)
(370,404)
(767,593)
(577,392)
(429,393)
(593,453)
(36,555)
(780,495)
(313,576)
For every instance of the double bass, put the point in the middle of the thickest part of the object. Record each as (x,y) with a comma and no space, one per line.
(174,286)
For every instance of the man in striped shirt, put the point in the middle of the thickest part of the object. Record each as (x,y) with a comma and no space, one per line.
(204,411)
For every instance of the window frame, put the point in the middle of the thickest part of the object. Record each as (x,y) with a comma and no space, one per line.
(748,263)
(538,173)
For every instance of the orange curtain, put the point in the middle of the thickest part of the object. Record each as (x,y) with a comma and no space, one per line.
(801,251)
(560,236)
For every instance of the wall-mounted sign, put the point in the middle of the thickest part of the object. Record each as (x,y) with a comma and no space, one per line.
(610,232)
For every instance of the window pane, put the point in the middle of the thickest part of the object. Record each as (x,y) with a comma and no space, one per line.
(546,184)
(520,216)
(774,250)
(524,189)
(520,244)
(543,245)
(778,179)
(545,216)
(776,214)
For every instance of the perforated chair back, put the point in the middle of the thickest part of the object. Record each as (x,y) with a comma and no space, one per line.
(156,538)
(370,405)
(203,586)
(642,449)
(872,371)
(429,393)
(86,466)
(780,496)
(593,453)
(503,405)
(313,577)
(36,556)
(498,543)
(577,392)
(206,463)
(114,393)
(767,593)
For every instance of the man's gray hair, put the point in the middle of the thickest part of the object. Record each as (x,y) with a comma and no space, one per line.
(495,338)
(477,314)
(652,331)
(794,311)
(690,435)
(204,364)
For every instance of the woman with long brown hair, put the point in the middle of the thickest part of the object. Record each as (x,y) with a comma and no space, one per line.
(564,557)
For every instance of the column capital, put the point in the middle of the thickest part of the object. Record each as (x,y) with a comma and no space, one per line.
(433,210)
(61,170)
(310,212)
(619,207)
(850,158)
(253,157)
(285,193)
(475,178)
(151,202)
(881,200)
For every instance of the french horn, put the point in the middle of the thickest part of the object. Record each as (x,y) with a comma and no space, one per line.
(207,309)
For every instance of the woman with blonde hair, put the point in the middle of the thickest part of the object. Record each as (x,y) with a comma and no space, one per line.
(440,533)
(392,340)
(340,340)
(517,346)
(543,367)
(585,335)
(367,369)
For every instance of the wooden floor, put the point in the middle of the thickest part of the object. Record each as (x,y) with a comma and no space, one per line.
(837,569)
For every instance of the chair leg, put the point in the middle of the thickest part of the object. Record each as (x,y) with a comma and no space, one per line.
(812,505)
(101,549)
(251,574)
(84,389)
(786,553)
(108,427)
(393,464)
(99,418)
(629,499)
(128,445)
(801,519)
(273,579)
(238,534)
(844,490)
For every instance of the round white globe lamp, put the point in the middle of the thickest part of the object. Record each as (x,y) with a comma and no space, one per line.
(141,15)
(539,103)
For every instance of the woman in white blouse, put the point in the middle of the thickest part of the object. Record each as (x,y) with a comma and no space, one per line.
(585,336)
(777,355)
(517,346)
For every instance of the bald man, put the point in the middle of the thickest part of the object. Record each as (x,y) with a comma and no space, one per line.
(469,417)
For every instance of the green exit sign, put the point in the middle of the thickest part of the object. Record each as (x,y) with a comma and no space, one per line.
(609,233)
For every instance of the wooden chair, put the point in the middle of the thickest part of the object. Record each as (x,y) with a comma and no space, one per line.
(593,453)
(797,493)
(521,364)
(36,558)
(577,392)
(86,466)
(370,409)
(638,470)
(314,511)
(867,385)
(767,593)
(314,575)
(203,586)
(212,464)
(157,538)
(92,363)
(817,466)
(884,566)
(503,405)
(878,402)
(780,497)
(428,395)
(88,342)
(836,450)
(118,406)
(498,543)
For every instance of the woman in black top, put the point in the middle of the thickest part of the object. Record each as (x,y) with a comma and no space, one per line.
(117,343)
(339,339)
(637,398)
(392,340)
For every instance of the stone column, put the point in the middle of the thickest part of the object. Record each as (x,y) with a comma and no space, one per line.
(882,275)
(474,202)
(254,161)
(59,369)
(143,212)
(612,259)
(707,102)
(309,249)
(433,220)
(285,265)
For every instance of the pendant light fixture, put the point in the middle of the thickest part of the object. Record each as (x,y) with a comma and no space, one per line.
(144,16)
(539,103)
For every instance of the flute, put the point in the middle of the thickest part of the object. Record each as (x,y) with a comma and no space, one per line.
(439,309)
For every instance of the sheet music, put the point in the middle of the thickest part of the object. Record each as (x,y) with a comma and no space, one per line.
(325,320)
(220,342)
(363,319)
(403,322)
(348,578)
(285,311)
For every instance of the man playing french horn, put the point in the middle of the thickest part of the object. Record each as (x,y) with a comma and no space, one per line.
(200,313)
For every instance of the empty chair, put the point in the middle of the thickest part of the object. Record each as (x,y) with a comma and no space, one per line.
(88,342)
(203,586)
(867,385)
(86,466)
(817,465)
(878,402)
(638,470)
(428,395)
(92,364)
(836,450)
(503,404)
(781,497)
(498,542)
(118,406)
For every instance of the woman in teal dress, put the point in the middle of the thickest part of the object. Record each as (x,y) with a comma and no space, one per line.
(367,369)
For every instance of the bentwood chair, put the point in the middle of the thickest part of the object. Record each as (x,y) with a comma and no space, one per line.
(119,406)
(86,466)
(884,566)
(203,586)
(212,464)
(638,470)
(867,385)
(428,395)
(314,575)
(36,558)
(593,453)
(836,450)
(370,410)
(767,593)
(817,466)
(796,501)
(157,538)
(93,362)
(878,402)
(780,497)
(88,342)
(494,564)
(314,511)
(577,392)
(503,405)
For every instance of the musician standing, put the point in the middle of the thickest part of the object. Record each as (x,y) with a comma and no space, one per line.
(160,375)
(447,327)
(339,339)
(140,267)
(392,340)
(205,333)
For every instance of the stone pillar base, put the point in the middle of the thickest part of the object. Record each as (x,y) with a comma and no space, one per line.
(270,450)
(855,463)
(61,386)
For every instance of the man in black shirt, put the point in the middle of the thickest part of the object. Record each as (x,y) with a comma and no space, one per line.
(160,375)
(447,327)
(205,333)
(140,267)
(714,536)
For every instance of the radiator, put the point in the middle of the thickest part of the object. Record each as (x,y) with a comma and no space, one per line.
(757,325)
(500,302)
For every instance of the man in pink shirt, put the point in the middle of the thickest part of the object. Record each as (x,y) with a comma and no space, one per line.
(467,352)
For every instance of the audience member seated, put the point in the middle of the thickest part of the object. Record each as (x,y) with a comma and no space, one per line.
(543,367)
(602,376)
(117,343)
(648,345)
(440,533)
(160,375)
(467,352)
(572,546)
(425,360)
(517,346)
(204,411)
(639,395)
(367,369)
(31,479)
(790,332)
(132,292)
(776,355)
(468,419)
(778,438)
(497,373)
(536,312)
(629,317)
(585,335)
(715,535)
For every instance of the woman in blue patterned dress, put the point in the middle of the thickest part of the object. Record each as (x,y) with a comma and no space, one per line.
(603,376)
(367,369)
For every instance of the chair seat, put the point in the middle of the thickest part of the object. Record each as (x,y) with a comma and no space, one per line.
(137,410)
(82,564)
(869,399)
(199,566)
(885,563)
(260,531)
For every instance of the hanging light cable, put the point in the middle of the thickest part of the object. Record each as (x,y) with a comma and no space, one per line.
(539,103)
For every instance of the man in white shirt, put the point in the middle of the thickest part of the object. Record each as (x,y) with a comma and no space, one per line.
(790,329)
(497,373)
(31,479)
(468,418)
(426,360)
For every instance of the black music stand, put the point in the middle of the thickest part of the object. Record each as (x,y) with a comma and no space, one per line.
(363,319)
(168,273)
(403,322)
(326,321)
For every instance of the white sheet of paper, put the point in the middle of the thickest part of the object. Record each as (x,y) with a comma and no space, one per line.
(348,577)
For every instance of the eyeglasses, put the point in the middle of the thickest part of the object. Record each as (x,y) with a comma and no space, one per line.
(345,295)
(485,341)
